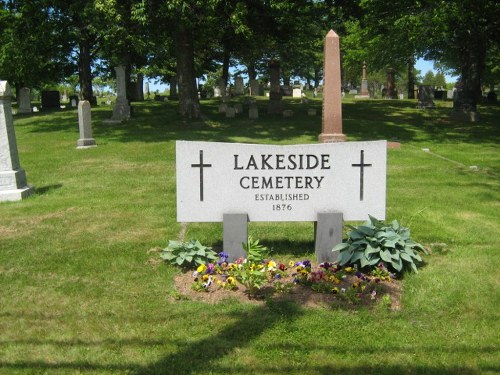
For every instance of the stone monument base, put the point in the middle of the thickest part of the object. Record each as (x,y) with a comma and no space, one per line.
(331,138)
(85,143)
(16,194)
(362,96)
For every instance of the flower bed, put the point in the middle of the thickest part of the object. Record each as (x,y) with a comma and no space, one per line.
(309,284)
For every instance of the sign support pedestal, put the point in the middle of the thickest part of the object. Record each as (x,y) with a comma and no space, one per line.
(327,234)
(235,232)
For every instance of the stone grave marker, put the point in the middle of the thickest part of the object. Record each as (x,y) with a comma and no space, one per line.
(51,99)
(222,108)
(297,93)
(324,183)
(253,112)
(13,184)
(239,88)
(121,109)
(238,107)
(364,93)
(332,96)
(230,112)
(85,125)
(425,96)
(24,100)
(73,99)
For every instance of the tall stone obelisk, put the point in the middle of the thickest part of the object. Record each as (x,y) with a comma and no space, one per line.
(13,185)
(332,96)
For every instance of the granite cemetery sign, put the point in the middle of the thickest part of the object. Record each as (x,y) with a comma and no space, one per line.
(231,183)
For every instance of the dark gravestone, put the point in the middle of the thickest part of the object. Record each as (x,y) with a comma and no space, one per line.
(425,96)
(51,99)
(439,94)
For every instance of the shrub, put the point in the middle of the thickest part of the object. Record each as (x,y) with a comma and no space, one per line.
(375,242)
(188,254)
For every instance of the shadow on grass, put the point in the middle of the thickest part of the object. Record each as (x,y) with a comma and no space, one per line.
(47,189)
(362,120)
(282,247)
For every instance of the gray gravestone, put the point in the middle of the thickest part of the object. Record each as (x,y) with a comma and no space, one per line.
(121,110)
(230,112)
(238,107)
(254,87)
(235,233)
(425,96)
(328,233)
(253,112)
(85,125)
(13,185)
(24,100)
(222,108)
(239,88)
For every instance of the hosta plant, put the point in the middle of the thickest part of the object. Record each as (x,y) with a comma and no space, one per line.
(188,254)
(376,242)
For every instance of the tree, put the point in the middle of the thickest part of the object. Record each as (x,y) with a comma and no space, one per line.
(465,36)
(429,78)
(32,50)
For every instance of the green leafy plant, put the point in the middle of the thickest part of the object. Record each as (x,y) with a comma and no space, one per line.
(188,254)
(252,276)
(255,252)
(376,242)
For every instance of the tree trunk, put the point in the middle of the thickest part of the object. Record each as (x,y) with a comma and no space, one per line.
(172,82)
(316,78)
(225,68)
(411,79)
(85,71)
(189,105)
(473,62)
(252,72)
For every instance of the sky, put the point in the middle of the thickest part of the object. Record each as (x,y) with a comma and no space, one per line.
(424,66)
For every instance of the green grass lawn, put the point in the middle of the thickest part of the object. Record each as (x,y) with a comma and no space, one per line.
(79,292)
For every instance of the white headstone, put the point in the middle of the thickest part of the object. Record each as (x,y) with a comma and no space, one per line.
(13,184)
(24,100)
(85,125)
(297,93)
(280,183)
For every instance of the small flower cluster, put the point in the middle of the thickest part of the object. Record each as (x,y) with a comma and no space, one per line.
(224,275)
